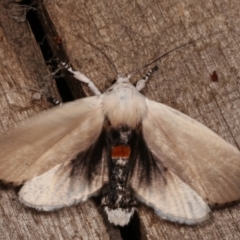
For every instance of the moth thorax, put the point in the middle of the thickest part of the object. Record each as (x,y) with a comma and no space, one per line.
(124,105)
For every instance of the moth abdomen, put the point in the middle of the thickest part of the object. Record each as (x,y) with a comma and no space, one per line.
(121,154)
(118,201)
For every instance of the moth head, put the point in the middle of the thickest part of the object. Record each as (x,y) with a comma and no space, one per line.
(119,216)
(123,79)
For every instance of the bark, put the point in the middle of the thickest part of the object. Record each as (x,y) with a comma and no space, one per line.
(106,38)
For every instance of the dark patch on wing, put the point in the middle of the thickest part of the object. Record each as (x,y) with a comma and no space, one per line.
(149,165)
(87,162)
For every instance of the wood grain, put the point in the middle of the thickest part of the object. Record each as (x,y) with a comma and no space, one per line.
(103,39)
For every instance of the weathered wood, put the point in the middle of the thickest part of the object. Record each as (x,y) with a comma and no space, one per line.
(23,70)
(103,38)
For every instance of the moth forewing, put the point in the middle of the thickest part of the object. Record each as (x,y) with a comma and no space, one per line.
(49,139)
(198,156)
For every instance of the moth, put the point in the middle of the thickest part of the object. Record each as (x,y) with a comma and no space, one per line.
(125,148)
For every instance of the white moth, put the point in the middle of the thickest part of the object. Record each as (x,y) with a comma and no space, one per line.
(125,148)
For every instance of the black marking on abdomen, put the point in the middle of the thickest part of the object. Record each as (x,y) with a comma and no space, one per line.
(119,195)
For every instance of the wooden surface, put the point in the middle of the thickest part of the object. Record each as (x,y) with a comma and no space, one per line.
(105,38)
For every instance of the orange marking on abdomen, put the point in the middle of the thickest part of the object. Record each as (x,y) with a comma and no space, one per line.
(121,151)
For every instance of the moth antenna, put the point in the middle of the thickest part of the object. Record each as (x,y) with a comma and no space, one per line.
(163,55)
(82,78)
(141,83)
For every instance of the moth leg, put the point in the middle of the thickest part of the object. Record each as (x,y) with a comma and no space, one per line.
(141,83)
(54,101)
(83,78)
